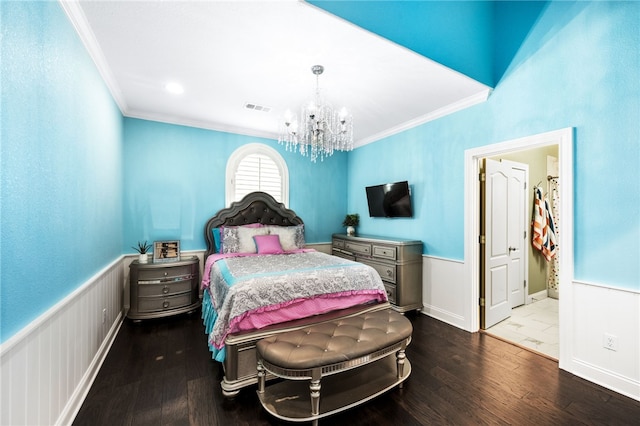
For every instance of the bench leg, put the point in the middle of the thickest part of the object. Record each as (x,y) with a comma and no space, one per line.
(261,377)
(314,388)
(400,357)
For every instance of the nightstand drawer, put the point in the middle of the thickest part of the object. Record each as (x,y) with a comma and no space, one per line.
(158,275)
(145,290)
(385,252)
(391,292)
(358,248)
(386,272)
(154,304)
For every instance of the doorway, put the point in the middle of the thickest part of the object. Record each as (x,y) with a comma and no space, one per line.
(564,140)
(504,253)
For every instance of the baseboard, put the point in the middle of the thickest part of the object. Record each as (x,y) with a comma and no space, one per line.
(542,294)
(610,380)
(80,393)
(444,316)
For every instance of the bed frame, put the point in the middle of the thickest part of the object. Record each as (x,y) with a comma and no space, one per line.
(240,362)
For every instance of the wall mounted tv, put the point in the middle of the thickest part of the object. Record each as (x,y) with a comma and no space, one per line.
(389,200)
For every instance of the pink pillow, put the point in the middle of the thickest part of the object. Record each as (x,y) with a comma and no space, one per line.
(268,244)
(253,225)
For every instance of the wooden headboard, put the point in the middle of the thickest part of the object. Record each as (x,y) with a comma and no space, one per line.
(257,207)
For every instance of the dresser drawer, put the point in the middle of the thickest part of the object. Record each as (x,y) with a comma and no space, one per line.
(386,272)
(161,275)
(391,292)
(342,254)
(358,248)
(337,243)
(154,304)
(384,252)
(169,288)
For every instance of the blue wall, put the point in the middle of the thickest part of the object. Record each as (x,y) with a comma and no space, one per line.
(578,67)
(175,178)
(66,152)
(61,198)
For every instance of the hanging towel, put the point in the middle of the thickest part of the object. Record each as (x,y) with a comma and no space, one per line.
(539,221)
(549,239)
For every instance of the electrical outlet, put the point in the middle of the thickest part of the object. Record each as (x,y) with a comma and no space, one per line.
(610,342)
(104,315)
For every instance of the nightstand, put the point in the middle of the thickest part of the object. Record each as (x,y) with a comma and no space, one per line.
(163,289)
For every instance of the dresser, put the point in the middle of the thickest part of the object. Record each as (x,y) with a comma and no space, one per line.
(163,289)
(397,260)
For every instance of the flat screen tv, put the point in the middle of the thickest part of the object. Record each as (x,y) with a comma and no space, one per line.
(389,200)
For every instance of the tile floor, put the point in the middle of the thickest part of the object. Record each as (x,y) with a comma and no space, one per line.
(534,326)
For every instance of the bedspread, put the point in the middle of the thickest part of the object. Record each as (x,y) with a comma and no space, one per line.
(249,292)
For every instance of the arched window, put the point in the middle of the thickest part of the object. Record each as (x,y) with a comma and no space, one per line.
(256,167)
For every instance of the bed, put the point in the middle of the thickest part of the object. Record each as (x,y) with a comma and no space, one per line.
(260,279)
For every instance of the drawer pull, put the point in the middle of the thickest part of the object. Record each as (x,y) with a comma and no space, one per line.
(165,304)
(165,289)
(389,273)
(166,273)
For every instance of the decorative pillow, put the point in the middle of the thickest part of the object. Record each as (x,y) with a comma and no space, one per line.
(268,244)
(216,239)
(230,241)
(291,237)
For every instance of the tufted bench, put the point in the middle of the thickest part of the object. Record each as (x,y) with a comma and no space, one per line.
(321,350)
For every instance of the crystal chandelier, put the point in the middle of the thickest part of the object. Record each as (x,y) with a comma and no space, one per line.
(321,130)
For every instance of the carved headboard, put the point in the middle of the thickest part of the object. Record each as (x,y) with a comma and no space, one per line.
(256,207)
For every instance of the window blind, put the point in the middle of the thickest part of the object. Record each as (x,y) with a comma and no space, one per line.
(258,172)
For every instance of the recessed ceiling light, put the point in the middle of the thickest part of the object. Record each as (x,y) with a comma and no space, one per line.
(174,88)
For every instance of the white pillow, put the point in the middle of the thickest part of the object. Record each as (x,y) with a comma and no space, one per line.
(291,237)
(246,244)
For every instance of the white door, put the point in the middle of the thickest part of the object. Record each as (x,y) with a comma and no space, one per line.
(505,224)
(497,305)
(517,219)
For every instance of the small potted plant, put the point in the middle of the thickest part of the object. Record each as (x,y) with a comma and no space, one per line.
(143,250)
(351,221)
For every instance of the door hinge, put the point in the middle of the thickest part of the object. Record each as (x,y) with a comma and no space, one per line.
(525,186)
(482,239)
(525,283)
(482,301)
(525,235)
(482,177)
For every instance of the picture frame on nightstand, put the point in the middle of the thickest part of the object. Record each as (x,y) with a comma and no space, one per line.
(166,251)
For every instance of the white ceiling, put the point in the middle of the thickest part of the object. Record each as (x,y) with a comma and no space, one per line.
(230,53)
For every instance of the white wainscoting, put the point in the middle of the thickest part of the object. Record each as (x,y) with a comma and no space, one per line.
(596,310)
(444,290)
(48,367)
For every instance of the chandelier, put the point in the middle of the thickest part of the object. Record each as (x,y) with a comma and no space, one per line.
(321,130)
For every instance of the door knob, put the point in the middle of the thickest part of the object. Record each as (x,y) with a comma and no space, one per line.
(512,249)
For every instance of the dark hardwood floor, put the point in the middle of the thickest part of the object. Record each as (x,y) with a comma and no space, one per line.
(159,372)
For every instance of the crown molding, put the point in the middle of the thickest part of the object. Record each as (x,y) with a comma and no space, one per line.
(434,115)
(79,21)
